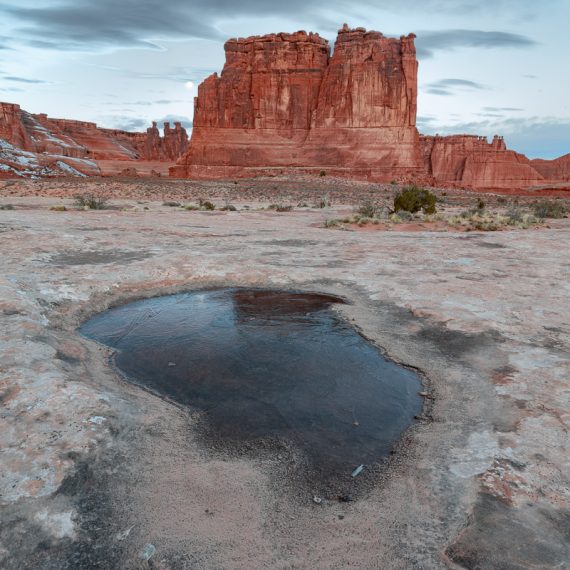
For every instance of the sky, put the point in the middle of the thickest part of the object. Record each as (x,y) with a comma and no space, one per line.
(486,66)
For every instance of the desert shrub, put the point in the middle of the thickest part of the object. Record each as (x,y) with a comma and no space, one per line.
(322,173)
(480,204)
(324,202)
(549,209)
(7,207)
(191,207)
(367,210)
(58,208)
(90,202)
(228,208)
(171,204)
(413,199)
(373,211)
(206,205)
(281,207)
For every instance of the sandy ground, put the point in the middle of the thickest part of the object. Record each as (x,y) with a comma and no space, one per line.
(93,469)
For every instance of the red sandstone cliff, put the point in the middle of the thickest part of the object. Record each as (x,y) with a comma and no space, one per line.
(556,170)
(283,104)
(471,161)
(37,145)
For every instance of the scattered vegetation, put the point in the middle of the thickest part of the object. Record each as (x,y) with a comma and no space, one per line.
(172,204)
(228,208)
(324,202)
(90,201)
(413,199)
(60,208)
(280,207)
(490,222)
(549,209)
(7,207)
(370,210)
(206,205)
(191,207)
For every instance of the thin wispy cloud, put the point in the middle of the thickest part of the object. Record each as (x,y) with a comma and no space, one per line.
(449,86)
(429,42)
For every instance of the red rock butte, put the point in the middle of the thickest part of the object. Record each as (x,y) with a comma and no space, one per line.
(284,104)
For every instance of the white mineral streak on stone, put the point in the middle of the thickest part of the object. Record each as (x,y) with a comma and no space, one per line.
(59,525)
(477,455)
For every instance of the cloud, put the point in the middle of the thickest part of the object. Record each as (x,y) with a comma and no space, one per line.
(84,24)
(447,86)
(428,42)
(124,123)
(23,79)
(186,121)
(500,109)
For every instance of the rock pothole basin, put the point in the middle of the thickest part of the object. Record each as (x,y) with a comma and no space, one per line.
(267,366)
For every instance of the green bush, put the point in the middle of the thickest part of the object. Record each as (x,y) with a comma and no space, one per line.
(413,199)
(549,209)
(322,173)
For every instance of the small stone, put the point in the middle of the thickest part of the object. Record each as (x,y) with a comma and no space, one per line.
(171,364)
(147,552)
(317,500)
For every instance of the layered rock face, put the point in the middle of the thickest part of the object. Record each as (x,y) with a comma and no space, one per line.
(557,169)
(282,102)
(471,161)
(37,145)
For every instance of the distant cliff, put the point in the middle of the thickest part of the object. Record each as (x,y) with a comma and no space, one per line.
(39,145)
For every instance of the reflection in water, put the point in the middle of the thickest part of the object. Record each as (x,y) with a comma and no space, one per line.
(267,365)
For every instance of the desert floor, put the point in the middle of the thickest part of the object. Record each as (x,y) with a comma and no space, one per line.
(94,469)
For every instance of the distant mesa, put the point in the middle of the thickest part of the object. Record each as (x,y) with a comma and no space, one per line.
(39,146)
(284,104)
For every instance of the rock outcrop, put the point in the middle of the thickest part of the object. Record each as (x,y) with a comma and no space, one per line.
(34,145)
(556,170)
(283,104)
(471,161)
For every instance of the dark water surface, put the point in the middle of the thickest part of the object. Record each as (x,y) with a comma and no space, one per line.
(267,365)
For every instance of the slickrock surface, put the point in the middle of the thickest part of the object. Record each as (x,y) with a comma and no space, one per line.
(39,146)
(95,469)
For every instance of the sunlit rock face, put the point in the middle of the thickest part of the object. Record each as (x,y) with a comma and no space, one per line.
(284,104)
(282,101)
